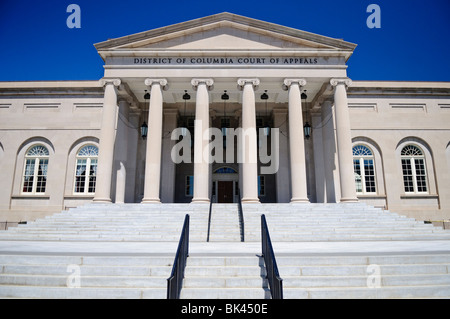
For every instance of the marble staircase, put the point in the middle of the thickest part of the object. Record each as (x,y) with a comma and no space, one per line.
(224,267)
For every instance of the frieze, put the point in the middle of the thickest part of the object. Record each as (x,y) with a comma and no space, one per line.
(223,60)
(228,61)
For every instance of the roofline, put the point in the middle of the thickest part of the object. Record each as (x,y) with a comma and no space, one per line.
(226,16)
(97,84)
(50,84)
(400,84)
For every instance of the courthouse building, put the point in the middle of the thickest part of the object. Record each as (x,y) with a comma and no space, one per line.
(138,134)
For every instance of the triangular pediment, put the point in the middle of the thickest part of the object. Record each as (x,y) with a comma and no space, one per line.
(224,36)
(224,31)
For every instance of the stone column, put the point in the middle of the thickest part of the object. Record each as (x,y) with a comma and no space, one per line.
(344,140)
(296,141)
(249,143)
(283,188)
(319,171)
(132,150)
(154,141)
(120,151)
(168,165)
(329,153)
(201,126)
(107,140)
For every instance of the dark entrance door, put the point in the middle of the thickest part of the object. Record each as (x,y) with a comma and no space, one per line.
(225,192)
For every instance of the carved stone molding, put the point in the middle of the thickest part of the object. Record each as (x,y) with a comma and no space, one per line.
(346,81)
(208,82)
(288,82)
(242,82)
(161,82)
(115,82)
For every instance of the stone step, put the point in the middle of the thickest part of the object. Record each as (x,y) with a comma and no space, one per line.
(409,292)
(86,281)
(361,270)
(88,270)
(399,276)
(48,276)
(293,260)
(29,292)
(220,293)
(224,277)
(225,282)
(361,281)
(85,260)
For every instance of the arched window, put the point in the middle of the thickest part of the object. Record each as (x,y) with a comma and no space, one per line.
(225,170)
(364,168)
(35,172)
(413,169)
(86,170)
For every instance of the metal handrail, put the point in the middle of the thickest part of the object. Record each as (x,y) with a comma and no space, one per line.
(209,217)
(175,281)
(273,276)
(241,217)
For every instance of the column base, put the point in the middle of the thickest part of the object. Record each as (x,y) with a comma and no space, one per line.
(349,200)
(250,201)
(200,200)
(299,200)
(150,201)
(102,200)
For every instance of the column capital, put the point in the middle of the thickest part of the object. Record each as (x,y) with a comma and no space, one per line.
(336,81)
(161,82)
(288,82)
(242,82)
(208,82)
(115,82)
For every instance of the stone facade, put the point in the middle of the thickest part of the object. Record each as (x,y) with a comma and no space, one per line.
(385,143)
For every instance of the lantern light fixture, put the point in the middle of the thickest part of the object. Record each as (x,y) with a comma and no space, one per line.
(144,130)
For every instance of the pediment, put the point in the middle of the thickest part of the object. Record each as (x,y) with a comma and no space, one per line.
(224,31)
(224,36)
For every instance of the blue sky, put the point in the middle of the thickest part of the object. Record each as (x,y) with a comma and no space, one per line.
(413,43)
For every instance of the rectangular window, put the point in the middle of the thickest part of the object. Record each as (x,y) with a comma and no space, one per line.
(420,175)
(261,185)
(369,176)
(358,179)
(35,175)
(92,175)
(80,176)
(189,186)
(28,176)
(41,176)
(407,175)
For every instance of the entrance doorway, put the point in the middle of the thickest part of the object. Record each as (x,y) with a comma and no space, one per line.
(225,191)
(225,182)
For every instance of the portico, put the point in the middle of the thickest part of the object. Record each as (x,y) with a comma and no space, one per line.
(243,58)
